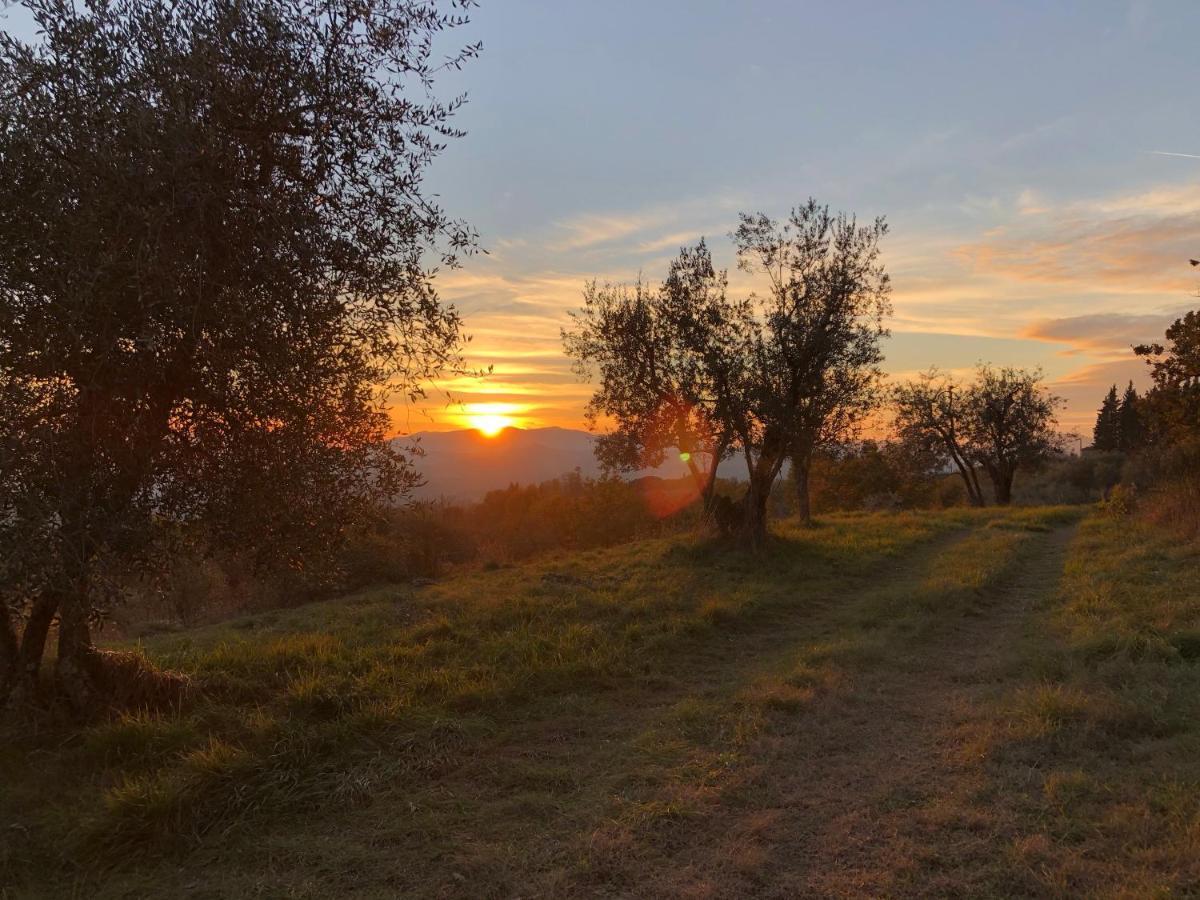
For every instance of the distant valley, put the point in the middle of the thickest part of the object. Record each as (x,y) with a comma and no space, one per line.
(464,465)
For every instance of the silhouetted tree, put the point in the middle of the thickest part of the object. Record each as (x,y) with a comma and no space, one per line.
(815,366)
(932,414)
(769,377)
(214,252)
(1000,423)
(1107,433)
(1010,424)
(1129,421)
(1173,403)
(665,360)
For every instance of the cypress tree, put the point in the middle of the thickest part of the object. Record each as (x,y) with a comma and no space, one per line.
(1129,420)
(1107,434)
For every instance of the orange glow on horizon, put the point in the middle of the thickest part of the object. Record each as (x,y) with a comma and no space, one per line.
(490,425)
(489,419)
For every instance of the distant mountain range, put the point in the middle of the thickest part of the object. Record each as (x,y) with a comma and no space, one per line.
(465,465)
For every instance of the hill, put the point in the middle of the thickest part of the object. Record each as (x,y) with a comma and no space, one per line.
(465,465)
(964,703)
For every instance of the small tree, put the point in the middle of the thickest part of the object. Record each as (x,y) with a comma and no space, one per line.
(1010,424)
(683,365)
(1107,433)
(932,414)
(1002,422)
(214,254)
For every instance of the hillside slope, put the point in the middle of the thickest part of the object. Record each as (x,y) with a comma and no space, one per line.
(981,703)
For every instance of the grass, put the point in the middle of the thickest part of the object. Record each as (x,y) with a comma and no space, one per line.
(1108,722)
(626,721)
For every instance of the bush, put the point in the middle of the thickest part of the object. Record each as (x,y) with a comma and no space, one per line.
(1086,478)
(1120,502)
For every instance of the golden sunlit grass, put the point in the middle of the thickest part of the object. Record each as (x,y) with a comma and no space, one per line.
(663,718)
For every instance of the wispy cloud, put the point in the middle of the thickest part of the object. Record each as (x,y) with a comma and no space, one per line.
(1102,334)
(1169,153)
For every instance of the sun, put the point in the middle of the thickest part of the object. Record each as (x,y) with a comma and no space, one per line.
(491,424)
(489,419)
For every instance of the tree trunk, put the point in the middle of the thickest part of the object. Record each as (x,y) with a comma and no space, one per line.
(74,668)
(970,480)
(8,652)
(33,646)
(1002,482)
(800,470)
(754,517)
(705,483)
(979,498)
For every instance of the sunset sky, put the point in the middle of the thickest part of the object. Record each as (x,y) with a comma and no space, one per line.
(1039,165)
(1020,153)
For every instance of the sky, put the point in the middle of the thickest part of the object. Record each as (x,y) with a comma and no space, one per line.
(1038,164)
(1019,151)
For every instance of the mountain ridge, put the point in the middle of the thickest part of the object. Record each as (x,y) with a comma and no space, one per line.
(464,464)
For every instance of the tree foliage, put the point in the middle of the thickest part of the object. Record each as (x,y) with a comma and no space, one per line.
(1011,424)
(932,415)
(1119,423)
(214,261)
(1173,403)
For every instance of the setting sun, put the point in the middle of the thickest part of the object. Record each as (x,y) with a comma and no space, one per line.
(489,419)
(491,424)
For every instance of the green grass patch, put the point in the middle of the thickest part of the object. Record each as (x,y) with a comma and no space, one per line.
(332,705)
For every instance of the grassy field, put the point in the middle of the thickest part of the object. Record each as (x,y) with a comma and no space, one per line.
(983,703)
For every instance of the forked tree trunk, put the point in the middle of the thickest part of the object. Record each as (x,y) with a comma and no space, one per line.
(20,678)
(970,480)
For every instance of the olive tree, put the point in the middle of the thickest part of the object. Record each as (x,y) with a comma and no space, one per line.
(215,265)
(1002,422)
(931,415)
(665,359)
(764,377)
(818,361)
(1012,424)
